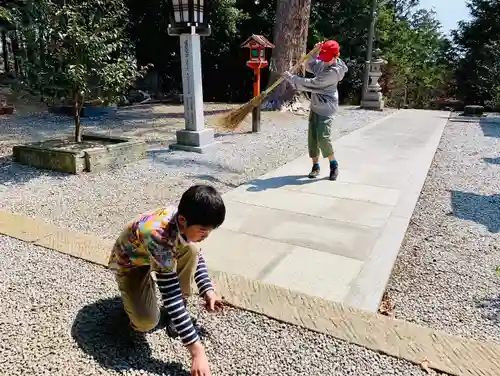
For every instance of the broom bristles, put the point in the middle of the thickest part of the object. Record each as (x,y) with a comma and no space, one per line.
(233,119)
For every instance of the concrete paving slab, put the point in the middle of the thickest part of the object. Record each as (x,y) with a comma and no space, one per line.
(351,191)
(367,289)
(392,178)
(319,207)
(315,273)
(340,238)
(246,255)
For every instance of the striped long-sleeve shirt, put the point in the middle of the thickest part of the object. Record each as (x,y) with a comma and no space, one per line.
(170,289)
(154,240)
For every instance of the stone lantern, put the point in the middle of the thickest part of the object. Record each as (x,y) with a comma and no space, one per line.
(372,98)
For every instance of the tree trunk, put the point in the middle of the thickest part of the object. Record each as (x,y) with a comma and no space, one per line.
(15,52)
(5,52)
(78,103)
(290,37)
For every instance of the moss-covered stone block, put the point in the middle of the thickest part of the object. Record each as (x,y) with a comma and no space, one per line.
(95,153)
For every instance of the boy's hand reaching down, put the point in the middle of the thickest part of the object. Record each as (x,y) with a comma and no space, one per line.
(199,366)
(212,301)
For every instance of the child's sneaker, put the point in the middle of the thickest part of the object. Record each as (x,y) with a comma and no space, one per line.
(314,172)
(334,172)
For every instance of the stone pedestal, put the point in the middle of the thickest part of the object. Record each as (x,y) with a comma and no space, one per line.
(372,98)
(195,137)
(197,141)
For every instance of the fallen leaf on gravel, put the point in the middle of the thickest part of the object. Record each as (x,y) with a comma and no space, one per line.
(386,305)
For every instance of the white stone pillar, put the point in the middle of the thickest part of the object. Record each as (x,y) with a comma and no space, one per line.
(195,137)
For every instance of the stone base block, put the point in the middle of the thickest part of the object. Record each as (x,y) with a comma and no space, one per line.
(372,105)
(194,141)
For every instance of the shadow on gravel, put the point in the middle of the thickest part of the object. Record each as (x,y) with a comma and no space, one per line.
(490,128)
(102,331)
(213,179)
(12,173)
(259,185)
(477,208)
(492,160)
(187,161)
(138,112)
(491,309)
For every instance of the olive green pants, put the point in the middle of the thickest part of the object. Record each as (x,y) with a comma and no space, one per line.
(319,135)
(138,289)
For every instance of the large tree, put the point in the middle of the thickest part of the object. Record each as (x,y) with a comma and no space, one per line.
(418,70)
(478,40)
(290,38)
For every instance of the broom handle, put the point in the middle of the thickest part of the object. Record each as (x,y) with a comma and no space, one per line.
(294,68)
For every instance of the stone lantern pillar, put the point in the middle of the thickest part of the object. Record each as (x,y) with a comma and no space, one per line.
(372,98)
(189,22)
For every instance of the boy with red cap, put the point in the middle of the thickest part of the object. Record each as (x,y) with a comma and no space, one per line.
(328,71)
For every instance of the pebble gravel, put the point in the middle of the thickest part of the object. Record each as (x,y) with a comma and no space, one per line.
(447,274)
(60,316)
(103,202)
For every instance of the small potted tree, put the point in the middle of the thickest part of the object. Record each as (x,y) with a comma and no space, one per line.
(88,63)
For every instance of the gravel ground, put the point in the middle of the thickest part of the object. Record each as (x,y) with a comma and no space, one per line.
(445,276)
(103,202)
(81,329)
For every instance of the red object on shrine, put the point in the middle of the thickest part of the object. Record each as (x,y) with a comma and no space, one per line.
(257,45)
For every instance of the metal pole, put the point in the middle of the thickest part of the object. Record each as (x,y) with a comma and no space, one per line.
(369,49)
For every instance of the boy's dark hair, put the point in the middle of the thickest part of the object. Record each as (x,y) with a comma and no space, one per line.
(202,205)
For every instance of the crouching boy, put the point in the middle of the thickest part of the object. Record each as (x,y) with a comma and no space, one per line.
(163,242)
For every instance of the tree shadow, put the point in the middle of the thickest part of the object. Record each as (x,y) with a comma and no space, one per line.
(491,308)
(220,133)
(102,330)
(490,127)
(492,160)
(12,173)
(131,114)
(477,208)
(178,159)
(260,185)
(213,179)
(44,125)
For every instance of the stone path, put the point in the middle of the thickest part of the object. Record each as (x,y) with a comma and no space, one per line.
(336,241)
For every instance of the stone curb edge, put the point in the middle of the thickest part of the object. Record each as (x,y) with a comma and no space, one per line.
(441,351)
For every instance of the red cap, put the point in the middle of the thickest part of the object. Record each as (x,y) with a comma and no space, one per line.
(329,51)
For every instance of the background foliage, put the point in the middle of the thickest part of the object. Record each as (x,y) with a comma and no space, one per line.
(423,64)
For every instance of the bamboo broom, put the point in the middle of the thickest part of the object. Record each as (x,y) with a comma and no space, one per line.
(233,119)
